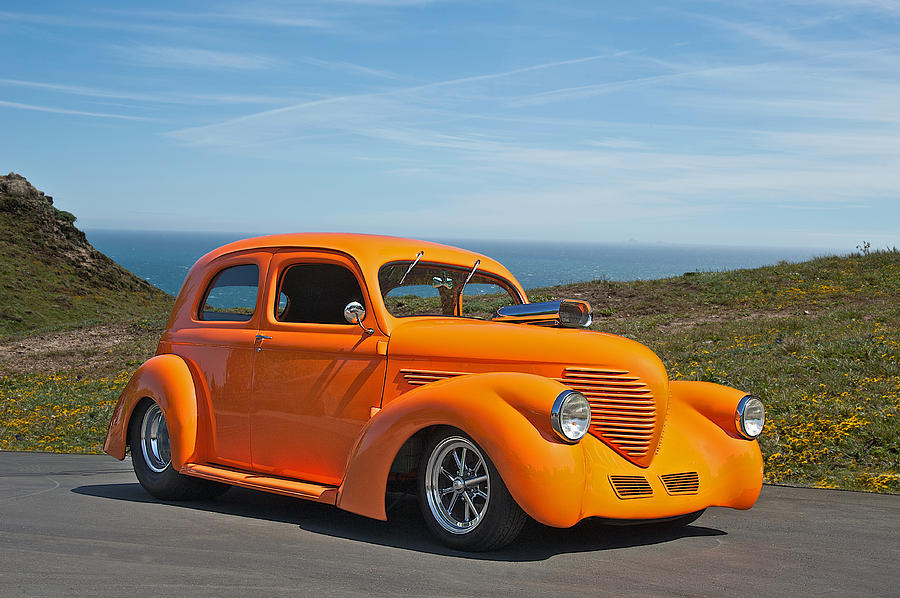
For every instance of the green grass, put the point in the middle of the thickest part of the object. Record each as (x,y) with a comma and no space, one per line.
(818,341)
(41,291)
(67,404)
(63,413)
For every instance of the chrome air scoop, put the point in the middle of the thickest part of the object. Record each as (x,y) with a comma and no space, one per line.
(569,313)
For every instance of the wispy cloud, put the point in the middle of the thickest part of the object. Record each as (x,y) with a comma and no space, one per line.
(225,98)
(186,57)
(626,167)
(370,104)
(582,212)
(886,7)
(854,104)
(630,144)
(37,108)
(184,97)
(520,71)
(819,49)
(90,23)
(387,3)
(349,67)
(761,166)
(362,99)
(255,14)
(595,89)
(272,18)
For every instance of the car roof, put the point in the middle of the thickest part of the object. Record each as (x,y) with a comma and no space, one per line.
(370,251)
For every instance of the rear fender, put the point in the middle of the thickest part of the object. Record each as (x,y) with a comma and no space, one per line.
(167,380)
(506,414)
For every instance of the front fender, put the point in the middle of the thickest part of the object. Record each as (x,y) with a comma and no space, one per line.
(506,414)
(715,402)
(167,380)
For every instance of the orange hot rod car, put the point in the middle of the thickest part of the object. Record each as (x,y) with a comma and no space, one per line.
(331,366)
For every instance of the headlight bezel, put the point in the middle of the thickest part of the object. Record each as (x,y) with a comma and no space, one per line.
(558,415)
(740,416)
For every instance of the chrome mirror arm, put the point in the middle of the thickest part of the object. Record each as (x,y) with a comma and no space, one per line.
(355,313)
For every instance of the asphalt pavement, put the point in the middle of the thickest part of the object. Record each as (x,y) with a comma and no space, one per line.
(81,525)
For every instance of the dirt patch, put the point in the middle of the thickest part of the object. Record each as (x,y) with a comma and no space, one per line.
(103,349)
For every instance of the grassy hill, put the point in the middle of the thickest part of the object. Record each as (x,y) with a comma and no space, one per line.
(819,341)
(51,277)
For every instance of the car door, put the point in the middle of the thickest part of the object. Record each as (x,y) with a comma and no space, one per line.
(316,377)
(219,342)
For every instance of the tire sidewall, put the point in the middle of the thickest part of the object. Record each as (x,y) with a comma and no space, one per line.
(156,483)
(500,500)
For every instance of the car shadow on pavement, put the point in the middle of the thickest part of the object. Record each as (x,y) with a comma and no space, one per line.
(405,528)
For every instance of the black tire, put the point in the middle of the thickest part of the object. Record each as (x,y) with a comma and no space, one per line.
(153,468)
(487,517)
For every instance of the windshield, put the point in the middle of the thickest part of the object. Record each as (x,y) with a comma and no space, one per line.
(434,290)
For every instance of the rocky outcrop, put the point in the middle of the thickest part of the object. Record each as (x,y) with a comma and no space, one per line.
(52,234)
(52,278)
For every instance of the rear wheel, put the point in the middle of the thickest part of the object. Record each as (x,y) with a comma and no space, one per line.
(463,499)
(151,457)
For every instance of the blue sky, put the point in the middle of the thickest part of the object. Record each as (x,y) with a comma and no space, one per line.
(751,123)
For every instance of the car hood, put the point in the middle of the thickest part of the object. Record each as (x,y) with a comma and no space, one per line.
(625,381)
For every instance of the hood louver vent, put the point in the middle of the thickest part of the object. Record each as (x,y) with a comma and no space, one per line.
(420,377)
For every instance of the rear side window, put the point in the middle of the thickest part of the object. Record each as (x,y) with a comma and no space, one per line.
(231,296)
(316,294)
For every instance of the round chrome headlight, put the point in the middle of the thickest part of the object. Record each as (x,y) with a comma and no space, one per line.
(750,417)
(570,415)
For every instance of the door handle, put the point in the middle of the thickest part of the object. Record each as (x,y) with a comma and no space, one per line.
(262,337)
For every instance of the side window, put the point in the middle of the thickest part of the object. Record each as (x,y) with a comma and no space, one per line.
(316,294)
(231,296)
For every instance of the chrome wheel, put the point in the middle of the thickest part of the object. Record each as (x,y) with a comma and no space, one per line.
(457,485)
(155,439)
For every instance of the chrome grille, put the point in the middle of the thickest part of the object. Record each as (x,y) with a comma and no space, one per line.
(623,411)
(681,483)
(631,486)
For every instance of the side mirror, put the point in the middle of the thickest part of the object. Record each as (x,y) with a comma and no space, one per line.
(355,313)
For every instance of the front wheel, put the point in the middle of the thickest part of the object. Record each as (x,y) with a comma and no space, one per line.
(462,497)
(151,457)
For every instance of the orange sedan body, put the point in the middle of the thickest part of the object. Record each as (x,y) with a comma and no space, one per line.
(280,392)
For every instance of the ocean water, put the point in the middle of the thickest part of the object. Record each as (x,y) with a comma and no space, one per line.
(164,258)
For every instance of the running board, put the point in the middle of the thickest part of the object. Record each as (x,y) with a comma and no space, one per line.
(307,490)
